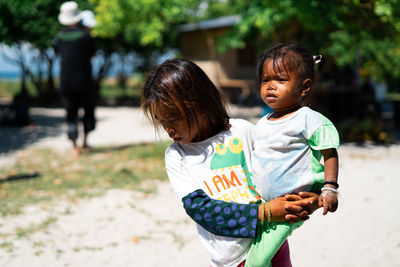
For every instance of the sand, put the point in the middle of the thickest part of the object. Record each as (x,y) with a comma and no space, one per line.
(125,228)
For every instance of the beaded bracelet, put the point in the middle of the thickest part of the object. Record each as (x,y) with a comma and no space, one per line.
(329,189)
(332,183)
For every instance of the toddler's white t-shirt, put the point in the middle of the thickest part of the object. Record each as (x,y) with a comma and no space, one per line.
(287,152)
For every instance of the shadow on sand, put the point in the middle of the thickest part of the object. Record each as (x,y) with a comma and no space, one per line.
(14,137)
(18,177)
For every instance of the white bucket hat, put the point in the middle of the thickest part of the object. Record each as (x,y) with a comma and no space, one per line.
(88,19)
(69,13)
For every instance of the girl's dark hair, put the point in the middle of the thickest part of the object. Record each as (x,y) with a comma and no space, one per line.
(180,86)
(293,58)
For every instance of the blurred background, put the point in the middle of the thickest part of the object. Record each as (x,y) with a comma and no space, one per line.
(359,89)
(113,206)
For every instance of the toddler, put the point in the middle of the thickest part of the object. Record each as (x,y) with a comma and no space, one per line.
(290,142)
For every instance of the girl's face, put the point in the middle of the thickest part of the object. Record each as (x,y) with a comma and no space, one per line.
(176,127)
(280,90)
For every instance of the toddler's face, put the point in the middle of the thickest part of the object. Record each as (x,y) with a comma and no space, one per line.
(279,90)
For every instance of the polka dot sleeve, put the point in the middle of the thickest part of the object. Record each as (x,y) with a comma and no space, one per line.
(222,218)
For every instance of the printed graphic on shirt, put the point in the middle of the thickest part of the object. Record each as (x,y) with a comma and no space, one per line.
(229,163)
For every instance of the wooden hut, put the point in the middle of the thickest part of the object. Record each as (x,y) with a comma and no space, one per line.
(233,71)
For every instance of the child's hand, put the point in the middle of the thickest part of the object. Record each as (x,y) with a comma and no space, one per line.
(299,207)
(329,201)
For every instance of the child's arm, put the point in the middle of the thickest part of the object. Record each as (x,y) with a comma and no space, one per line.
(240,220)
(328,199)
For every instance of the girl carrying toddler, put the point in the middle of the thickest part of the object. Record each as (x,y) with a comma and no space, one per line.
(208,164)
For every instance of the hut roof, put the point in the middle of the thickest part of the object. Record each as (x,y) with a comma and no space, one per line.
(221,22)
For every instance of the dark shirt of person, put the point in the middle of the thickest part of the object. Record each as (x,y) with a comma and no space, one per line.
(76,47)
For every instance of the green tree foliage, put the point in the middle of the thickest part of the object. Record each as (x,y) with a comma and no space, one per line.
(33,22)
(362,34)
(145,26)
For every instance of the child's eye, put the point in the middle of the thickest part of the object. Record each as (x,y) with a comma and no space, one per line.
(265,80)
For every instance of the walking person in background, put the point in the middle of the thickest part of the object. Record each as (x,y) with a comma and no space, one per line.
(76,48)
(290,141)
(208,164)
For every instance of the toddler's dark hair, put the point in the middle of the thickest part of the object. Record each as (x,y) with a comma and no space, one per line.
(293,58)
(181,86)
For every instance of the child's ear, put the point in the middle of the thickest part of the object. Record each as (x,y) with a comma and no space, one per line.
(306,87)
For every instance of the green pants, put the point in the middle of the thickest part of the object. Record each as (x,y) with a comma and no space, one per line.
(269,239)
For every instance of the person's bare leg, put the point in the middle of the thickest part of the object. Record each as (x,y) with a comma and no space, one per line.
(75,152)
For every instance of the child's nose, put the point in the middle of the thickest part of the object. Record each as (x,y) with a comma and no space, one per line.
(271,86)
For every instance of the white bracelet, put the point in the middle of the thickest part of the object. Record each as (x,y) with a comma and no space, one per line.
(329,189)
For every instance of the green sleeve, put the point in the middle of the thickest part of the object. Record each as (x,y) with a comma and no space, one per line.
(325,136)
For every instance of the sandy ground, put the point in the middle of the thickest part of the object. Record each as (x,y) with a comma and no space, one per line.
(124,228)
